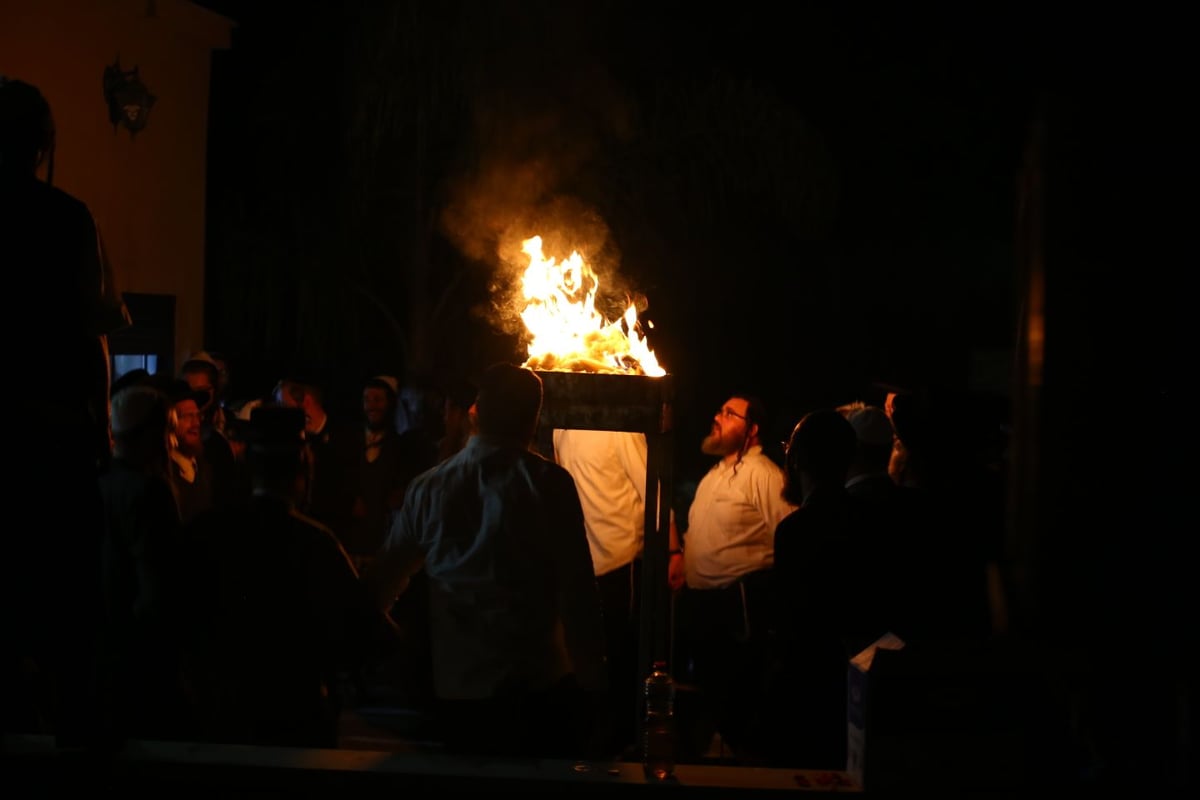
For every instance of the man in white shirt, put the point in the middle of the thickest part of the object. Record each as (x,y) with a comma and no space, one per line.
(609,468)
(729,550)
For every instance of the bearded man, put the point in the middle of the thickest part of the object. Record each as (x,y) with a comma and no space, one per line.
(728,553)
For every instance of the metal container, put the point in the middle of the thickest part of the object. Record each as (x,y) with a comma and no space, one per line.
(607,401)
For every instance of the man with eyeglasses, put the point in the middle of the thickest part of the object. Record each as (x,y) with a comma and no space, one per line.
(729,551)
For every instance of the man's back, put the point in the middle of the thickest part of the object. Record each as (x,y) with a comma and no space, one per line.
(277,612)
(50,257)
(53,271)
(515,619)
(141,571)
(609,468)
(501,532)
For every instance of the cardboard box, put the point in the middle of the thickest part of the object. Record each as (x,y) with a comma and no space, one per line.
(858,707)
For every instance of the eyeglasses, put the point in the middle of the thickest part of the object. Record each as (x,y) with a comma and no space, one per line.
(729,412)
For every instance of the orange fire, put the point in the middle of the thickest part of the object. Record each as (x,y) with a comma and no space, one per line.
(568,333)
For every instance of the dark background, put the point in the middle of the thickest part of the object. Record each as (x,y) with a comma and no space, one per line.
(809,200)
(812,201)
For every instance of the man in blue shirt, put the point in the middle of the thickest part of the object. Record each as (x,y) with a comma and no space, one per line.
(515,622)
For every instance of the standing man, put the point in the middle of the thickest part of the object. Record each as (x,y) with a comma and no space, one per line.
(195,475)
(203,374)
(609,468)
(378,466)
(458,418)
(54,269)
(729,552)
(515,620)
(275,611)
(325,438)
(142,548)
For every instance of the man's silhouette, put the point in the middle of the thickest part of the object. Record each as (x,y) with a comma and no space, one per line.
(54,270)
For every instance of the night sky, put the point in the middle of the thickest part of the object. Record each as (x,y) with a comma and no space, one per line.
(810,201)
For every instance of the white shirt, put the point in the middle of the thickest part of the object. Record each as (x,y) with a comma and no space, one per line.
(609,468)
(732,519)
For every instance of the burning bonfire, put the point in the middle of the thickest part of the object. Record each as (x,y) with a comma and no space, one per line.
(568,333)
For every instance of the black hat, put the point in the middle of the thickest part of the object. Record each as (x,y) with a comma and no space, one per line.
(138,376)
(201,360)
(275,429)
(176,389)
(386,382)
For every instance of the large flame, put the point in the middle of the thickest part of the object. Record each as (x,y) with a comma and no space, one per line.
(568,333)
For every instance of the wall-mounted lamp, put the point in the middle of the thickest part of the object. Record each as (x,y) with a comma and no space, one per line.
(129,101)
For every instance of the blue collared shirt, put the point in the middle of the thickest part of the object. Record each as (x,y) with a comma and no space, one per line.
(513,599)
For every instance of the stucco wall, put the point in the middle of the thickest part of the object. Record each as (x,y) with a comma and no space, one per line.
(146,191)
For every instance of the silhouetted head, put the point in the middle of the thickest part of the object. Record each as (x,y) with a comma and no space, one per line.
(875,435)
(822,447)
(275,452)
(509,402)
(139,423)
(133,377)
(26,127)
(302,389)
(275,431)
(459,394)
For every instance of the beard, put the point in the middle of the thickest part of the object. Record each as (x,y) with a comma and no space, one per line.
(191,445)
(715,444)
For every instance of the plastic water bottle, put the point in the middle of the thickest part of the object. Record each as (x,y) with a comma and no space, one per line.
(658,728)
